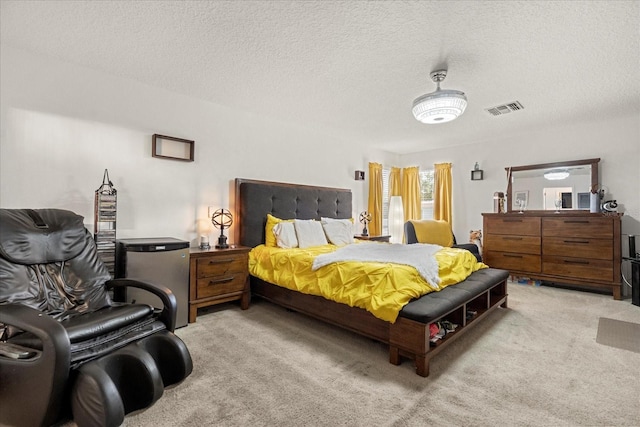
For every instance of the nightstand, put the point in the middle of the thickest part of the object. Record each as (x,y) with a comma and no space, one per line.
(373,238)
(217,276)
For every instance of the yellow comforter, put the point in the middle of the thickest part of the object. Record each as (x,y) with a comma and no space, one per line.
(380,288)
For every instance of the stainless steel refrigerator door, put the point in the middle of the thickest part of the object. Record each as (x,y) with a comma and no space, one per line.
(166,268)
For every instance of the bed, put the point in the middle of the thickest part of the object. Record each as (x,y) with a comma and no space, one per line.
(464,303)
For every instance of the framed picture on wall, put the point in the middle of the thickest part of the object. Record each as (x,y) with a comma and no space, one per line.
(169,147)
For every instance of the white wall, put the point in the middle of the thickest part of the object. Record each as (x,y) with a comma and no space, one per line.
(62,125)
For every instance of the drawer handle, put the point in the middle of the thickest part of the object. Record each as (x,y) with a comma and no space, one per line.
(575,221)
(512,256)
(512,220)
(586,242)
(222,280)
(512,238)
(220,261)
(576,262)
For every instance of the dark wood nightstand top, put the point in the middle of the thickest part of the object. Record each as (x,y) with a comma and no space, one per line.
(373,238)
(233,249)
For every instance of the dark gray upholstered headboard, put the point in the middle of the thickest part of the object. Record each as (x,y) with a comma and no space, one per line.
(255,199)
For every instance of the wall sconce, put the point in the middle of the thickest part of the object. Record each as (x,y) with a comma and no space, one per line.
(396,219)
(359,175)
(222,219)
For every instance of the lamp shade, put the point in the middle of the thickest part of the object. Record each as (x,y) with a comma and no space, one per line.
(222,219)
(396,219)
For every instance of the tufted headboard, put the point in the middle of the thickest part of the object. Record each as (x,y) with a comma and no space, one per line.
(255,199)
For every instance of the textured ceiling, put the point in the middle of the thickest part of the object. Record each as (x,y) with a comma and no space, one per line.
(353,68)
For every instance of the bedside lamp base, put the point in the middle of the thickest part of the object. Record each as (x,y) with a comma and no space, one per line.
(222,242)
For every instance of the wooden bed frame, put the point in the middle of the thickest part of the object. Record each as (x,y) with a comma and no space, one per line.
(406,337)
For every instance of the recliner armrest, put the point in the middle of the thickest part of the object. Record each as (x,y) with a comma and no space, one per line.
(42,376)
(168,315)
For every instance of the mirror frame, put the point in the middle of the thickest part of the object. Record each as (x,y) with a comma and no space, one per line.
(591,162)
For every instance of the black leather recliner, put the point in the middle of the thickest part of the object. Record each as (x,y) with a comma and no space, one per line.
(67,350)
(410,237)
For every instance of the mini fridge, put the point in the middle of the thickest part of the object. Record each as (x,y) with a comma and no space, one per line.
(160,260)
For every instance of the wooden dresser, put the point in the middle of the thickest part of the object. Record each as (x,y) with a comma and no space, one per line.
(575,247)
(217,276)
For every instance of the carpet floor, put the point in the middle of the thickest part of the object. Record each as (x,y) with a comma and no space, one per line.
(536,363)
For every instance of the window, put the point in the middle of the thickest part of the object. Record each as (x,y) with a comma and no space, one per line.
(426,196)
(385,200)
(426,193)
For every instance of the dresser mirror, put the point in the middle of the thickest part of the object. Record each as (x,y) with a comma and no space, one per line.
(558,186)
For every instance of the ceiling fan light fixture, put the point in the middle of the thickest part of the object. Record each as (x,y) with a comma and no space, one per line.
(556,174)
(440,106)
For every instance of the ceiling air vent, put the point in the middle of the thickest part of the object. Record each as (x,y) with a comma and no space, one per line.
(505,108)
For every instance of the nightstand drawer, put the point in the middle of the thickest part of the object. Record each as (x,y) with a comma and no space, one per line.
(222,265)
(220,285)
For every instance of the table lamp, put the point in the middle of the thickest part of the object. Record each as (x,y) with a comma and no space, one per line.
(365,218)
(222,219)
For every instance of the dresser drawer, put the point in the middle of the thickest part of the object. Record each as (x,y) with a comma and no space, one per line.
(512,261)
(512,224)
(221,265)
(578,227)
(578,247)
(221,285)
(579,268)
(520,244)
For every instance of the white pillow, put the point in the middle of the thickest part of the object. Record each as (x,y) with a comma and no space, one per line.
(285,235)
(338,231)
(309,233)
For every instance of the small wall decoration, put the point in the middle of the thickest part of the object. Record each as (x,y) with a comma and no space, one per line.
(476,175)
(169,147)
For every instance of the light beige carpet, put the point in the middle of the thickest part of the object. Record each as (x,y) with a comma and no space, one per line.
(619,334)
(536,363)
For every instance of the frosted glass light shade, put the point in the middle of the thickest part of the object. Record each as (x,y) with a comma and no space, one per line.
(396,219)
(440,106)
(556,174)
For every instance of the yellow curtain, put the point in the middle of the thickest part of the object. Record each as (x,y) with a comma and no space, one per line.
(395,182)
(411,193)
(442,192)
(375,199)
